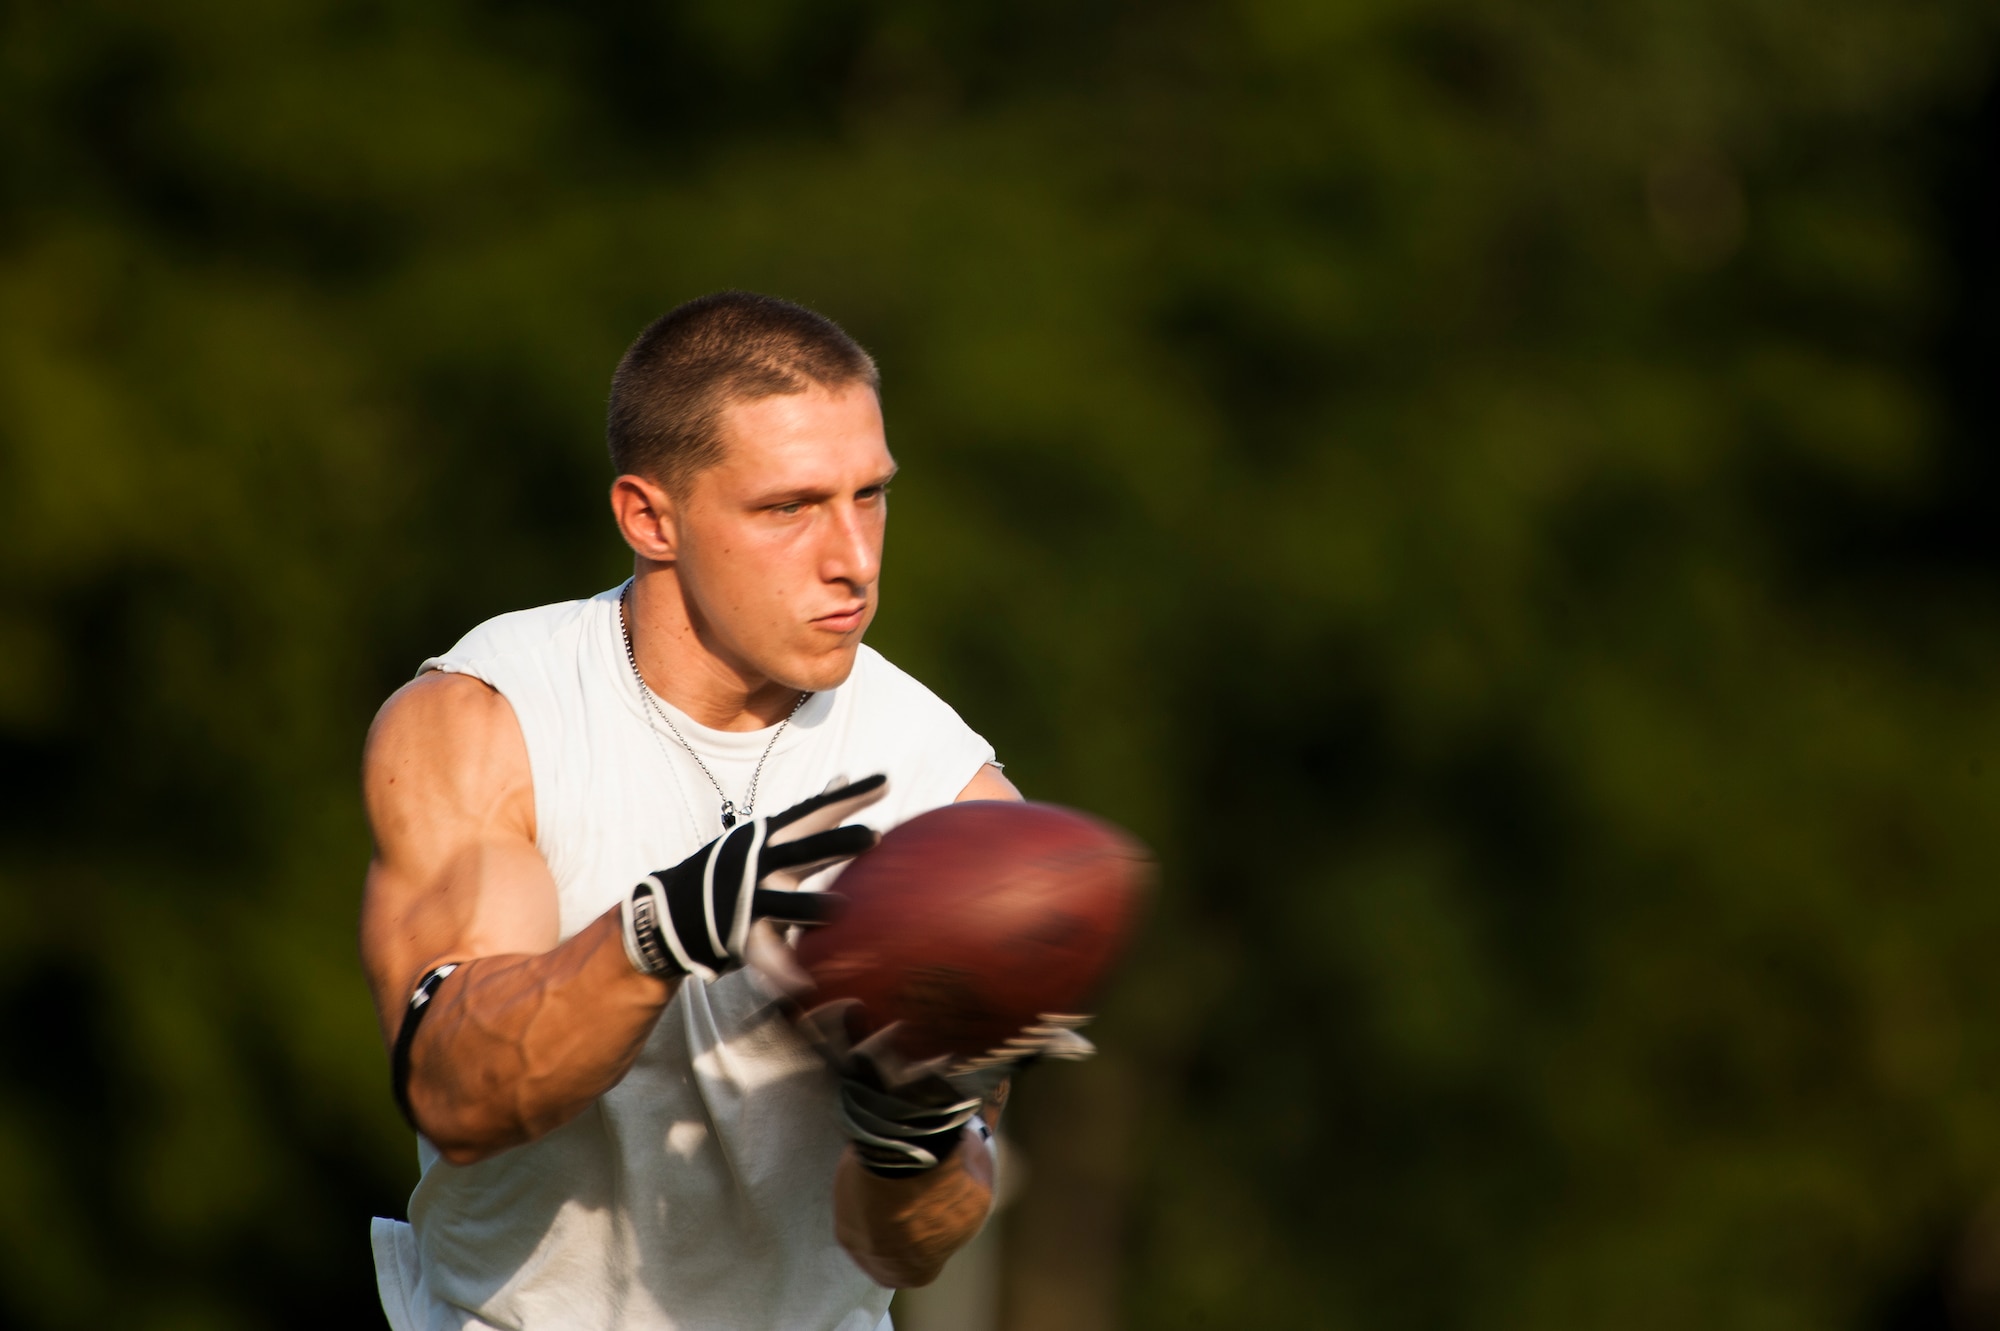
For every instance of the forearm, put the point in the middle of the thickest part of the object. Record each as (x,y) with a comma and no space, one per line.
(513,1047)
(901,1230)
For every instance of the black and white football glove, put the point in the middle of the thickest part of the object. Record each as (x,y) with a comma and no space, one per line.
(906,1117)
(695,918)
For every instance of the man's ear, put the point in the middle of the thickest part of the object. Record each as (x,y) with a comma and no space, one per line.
(646,518)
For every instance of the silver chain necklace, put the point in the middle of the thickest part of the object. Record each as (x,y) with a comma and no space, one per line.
(655,709)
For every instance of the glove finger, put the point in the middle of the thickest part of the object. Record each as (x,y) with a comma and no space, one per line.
(827,809)
(983,1083)
(1055,1036)
(924,1108)
(773,967)
(825,1028)
(818,850)
(1069,1047)
(797,907)
(890,1068)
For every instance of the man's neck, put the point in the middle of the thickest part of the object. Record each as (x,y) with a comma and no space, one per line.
(681,661)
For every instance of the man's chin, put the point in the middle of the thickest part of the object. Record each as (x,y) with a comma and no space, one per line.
(821,671)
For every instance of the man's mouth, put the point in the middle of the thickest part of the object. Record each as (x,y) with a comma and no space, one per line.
(843,621)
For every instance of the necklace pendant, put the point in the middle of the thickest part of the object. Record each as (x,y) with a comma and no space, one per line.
(728,815)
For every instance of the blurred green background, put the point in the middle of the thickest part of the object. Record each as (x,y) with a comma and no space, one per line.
(1502,495)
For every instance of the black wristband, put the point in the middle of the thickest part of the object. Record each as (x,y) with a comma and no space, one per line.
(399,1060)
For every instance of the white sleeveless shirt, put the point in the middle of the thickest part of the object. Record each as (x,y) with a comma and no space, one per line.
(697,1194)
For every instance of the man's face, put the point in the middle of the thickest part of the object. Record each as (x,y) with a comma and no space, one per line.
(780,543)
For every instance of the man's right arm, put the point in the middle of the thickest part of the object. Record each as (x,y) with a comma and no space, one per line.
(525,1033)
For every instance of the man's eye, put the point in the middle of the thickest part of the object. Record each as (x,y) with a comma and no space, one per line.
(789,510)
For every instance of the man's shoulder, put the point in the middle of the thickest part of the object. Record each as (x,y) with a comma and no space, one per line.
(518,633)
(905,722)
(879,682)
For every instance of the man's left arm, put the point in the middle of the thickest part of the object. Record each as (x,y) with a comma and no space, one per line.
(901,1229)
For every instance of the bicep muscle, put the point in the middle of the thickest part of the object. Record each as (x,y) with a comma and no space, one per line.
(451,803)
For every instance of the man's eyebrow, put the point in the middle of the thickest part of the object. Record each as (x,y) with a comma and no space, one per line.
(804,494)
(808,493)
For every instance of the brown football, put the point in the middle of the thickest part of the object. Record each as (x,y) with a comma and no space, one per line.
(972,922)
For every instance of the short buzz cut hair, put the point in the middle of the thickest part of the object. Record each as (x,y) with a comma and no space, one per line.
(670,389)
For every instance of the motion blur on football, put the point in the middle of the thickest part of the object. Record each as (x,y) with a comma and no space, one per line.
(982,930)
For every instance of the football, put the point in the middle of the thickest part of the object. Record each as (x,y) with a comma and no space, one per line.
(977,922)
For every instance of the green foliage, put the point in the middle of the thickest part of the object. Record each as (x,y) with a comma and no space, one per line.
(1480,486)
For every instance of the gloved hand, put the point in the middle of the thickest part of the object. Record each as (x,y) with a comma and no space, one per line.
(905,1117)
(695,918)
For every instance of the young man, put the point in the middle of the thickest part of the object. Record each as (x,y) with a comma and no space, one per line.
(618,1125)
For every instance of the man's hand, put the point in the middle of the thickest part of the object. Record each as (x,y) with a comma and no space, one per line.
(897,1216)
(901,1231)
(916,1181)
(696,918)
(903,1118)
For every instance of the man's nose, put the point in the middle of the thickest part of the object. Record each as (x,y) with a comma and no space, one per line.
(854,547)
